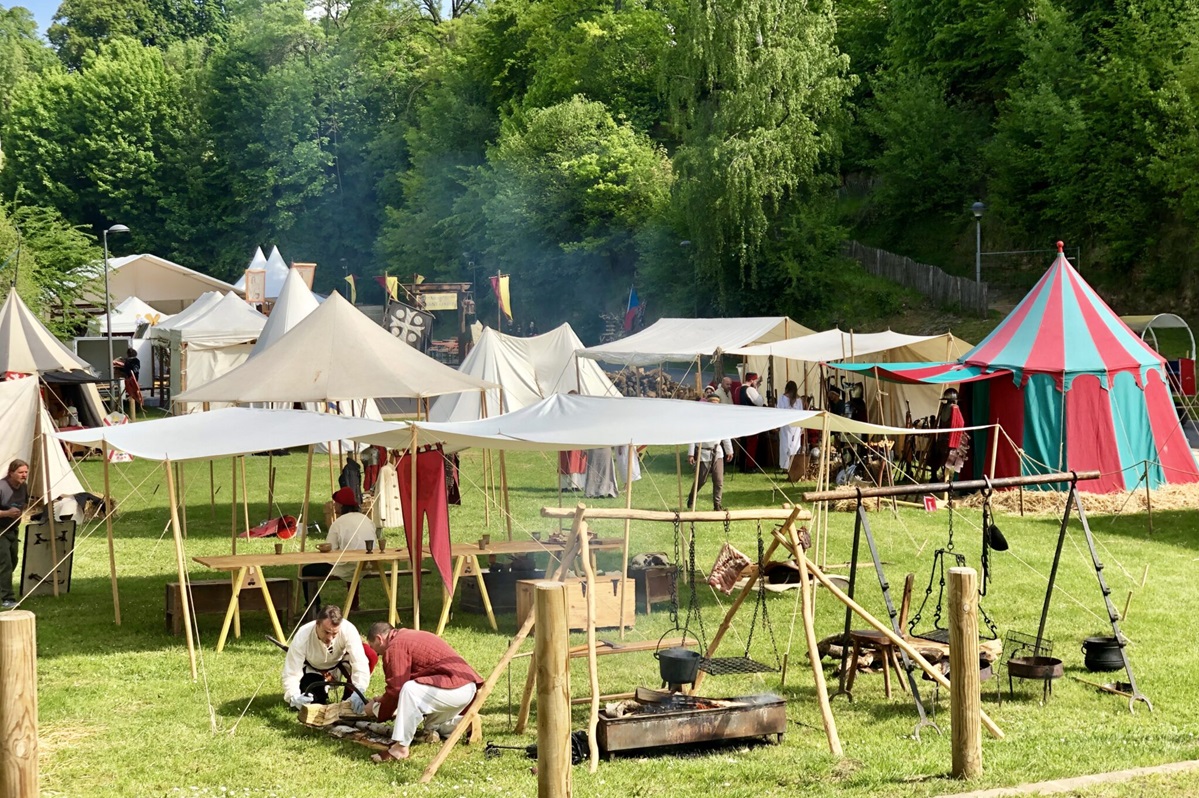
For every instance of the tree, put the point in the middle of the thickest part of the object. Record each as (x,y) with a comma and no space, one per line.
(758,98)
(22,53)
(81,27)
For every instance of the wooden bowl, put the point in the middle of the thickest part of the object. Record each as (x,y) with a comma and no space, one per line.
(325,548)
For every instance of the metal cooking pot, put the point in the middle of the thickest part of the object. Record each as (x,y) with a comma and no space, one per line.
(678,665)
(1102,654)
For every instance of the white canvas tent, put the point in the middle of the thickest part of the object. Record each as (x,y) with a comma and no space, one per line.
(203,304)
(21,412)
(131,313)
(212,343)
(163,284)
(680,340)
(336,354)
(276,272)
(27,347)
(800,360)
(527,369)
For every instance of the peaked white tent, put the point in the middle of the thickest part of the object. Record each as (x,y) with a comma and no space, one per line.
(21,413)
(276,272)
(203,304)
(527,369)
(163,284)
(336,354)
(126,317)
(211,342)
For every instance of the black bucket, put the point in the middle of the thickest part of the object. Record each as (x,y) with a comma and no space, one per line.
(1102,654)
(678,665)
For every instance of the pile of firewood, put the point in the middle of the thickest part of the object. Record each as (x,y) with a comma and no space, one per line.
(651,383)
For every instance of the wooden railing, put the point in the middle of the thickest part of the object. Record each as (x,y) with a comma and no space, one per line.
(942,288)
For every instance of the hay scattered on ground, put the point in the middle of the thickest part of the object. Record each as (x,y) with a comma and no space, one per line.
(1047,503)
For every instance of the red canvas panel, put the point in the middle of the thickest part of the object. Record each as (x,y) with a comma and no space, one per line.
(1007,410)
(1090,436)
(1173,451)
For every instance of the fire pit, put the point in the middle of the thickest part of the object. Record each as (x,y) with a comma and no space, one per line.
(1045,669)
(655,719)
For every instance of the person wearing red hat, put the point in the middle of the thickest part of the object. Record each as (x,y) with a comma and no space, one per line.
(350,531)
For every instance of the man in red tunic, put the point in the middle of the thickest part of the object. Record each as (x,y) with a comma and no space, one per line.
(426,680)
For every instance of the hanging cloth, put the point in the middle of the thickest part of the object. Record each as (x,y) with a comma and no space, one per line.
(388,510)
(430,504)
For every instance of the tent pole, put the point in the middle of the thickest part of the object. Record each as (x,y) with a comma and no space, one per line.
(307,498)
(184,591)
(624,556)
(270,484)
(233,505)
(504,481)
(112,556)
(678,472)
(245,495)
(699,387)
(212,487)
(182,499)
(822,526)
(46,495)
(487,466)
(994,446)
(412,527)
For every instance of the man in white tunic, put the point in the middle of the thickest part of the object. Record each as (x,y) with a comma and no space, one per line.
(349,532)
(326,649)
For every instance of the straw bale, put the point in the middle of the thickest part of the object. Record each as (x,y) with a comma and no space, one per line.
(1049,503)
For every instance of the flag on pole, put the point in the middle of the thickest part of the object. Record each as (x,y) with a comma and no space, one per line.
(393,288)
(499,284)
(630,314)
(353,289)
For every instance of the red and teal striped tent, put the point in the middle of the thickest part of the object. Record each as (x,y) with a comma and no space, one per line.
(1072,387)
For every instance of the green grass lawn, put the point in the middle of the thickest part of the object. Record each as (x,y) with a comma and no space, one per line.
(120,716)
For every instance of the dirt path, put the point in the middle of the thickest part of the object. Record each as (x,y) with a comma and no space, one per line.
(1080,782)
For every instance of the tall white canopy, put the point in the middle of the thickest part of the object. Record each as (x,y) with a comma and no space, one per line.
(680,340)
(27,347)
(294,304)
(128,316)
(276,272)
(563,421)
(227,432)
(335,354)
(203,304)
(528,369)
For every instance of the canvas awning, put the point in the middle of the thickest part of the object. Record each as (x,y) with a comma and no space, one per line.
(835,344)
(681,340)
(920,373)
(27,347)
(563,422)
(227,432)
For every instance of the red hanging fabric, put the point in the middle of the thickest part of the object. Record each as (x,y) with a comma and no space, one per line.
(431,504)
(1173,451)
(1091,436)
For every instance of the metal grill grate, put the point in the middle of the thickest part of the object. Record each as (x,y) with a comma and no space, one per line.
(723,666)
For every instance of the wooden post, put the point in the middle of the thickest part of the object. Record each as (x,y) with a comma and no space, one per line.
(553,691)
(307,498)
(184,598)
(504,493)
(994,448)
(18,710)
(245,495)
(807,592)
(624,556)
(183,501)
(965,700)
(112,555)
(592,672)
(233,504)
(412,530)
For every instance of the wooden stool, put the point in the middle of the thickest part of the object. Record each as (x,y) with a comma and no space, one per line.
(874,640)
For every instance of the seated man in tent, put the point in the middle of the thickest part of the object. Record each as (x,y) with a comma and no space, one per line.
(129,368)
(350,531)
(14,495)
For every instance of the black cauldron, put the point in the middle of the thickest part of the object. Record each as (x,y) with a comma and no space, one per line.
(678,665)
(1102,654)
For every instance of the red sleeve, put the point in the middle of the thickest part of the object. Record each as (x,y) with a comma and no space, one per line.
(956,420)
(397,664)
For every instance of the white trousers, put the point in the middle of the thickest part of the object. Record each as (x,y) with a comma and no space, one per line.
(438,707)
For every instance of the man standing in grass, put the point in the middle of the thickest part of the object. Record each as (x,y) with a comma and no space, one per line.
(14,495)
(426,680)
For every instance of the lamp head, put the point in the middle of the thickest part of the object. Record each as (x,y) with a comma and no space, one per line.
(117,228)
(978,209)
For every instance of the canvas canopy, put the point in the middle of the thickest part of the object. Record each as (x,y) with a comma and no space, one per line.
(227,432)
(20,410)
(203,304)
(680,340)
(336,354)
(528,369)
(27,347)
(1145,325)
(295,302)
(276,270)
(562,421)
(163,284)
(225,323)
(126,317)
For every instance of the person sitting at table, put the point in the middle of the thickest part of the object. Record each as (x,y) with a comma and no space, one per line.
(426,680)
(349,532)
(327,649)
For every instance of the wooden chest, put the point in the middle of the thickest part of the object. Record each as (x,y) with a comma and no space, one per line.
(607,601)
(211,597)
(653,585)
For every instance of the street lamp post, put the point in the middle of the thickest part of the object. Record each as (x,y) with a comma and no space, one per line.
(978,209)
(112,373)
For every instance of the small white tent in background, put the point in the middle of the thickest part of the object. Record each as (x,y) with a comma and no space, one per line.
(162,284)
(127,317)
(528,369)
(276,272)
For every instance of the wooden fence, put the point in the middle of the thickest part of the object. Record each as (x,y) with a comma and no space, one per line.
(942,288)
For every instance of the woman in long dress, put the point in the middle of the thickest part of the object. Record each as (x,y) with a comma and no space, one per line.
(790,438)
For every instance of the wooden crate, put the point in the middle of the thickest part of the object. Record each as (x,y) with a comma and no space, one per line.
(211,597)
(607,601)
(653,585)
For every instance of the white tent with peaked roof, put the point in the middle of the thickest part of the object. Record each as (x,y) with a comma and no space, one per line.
(528,369)
(276,272)
(336,354)
(164,285)
(294,304)
(27,347)
(211,342)
(128,316)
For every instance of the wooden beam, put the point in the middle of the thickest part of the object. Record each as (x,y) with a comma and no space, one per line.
(592,669)
(553,692)
(112,554)
(764,514)
(941,487)
(184,597)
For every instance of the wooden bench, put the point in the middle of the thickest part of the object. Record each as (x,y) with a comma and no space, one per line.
(211,597)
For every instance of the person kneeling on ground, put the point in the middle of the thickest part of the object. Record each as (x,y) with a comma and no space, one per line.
(320,652)
(426,679)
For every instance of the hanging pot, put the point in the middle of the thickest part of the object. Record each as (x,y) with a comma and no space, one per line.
(1102,654)
(678,665)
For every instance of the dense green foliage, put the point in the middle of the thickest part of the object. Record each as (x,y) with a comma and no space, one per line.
(711,152)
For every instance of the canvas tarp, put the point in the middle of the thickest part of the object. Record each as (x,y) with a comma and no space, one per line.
(27,347)
(228,432)
(128,316)
(680,340)
(528,370)
(20,408)
(336,354)
(228,322)
(202,305)
(562,421)
(161,283)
